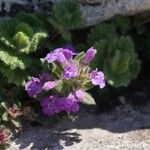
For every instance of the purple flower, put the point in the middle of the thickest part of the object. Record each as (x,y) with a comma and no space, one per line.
(71,105)
(68,104)
(50,106)
(68,53)
(97,78)
(69,47)
(49,85)
(61,103)
(33,87)
(44,77)
(53,104)
(51,57)
(90,54)
(79,94)
(62,59)
(44,102)
(61,55)
(70,71)
(72,96)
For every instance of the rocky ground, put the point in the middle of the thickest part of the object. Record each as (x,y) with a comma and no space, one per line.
(125,127)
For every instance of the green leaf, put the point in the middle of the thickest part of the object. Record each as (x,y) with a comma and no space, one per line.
(56,69)
(16,123)
(66,35)
(122,24)
(13,61)
(5,43)
(115,60)
(5,117)
(14,76)
(102,31)
(32,46)
(89,100)
(80,56)
(25,28)
(31,19)
(59,86)
(68,14)
(21,40)
(4,105)
(2,147)
(37,37)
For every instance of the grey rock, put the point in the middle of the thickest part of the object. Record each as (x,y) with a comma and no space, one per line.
(8,3)
(110,8)
(123,128)
(94,11)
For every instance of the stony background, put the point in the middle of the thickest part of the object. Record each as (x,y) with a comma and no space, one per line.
(94,11)
(124,128)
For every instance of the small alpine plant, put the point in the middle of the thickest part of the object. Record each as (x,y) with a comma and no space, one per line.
(64,83)
(4,137)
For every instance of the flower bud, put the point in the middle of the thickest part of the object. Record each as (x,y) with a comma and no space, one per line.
(90,54)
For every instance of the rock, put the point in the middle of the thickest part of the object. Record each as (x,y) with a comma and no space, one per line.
(7,3)
(94,11)
(124,128)
(107,9)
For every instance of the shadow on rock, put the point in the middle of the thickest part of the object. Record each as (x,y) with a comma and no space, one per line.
(41,138)
(121,119)
(66,132)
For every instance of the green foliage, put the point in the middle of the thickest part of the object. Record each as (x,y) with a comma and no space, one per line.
(122,24)
(6,118)
(88,100)
(116,54)
(67,15)
(19,37)
(10,59)
(100,32)
(32,20)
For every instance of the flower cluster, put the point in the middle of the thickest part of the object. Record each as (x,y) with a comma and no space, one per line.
(66,84)
(52,105)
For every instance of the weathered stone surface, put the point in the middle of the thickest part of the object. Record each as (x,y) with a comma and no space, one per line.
(107,9)
(95,11)
(124,128)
